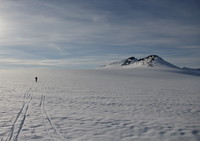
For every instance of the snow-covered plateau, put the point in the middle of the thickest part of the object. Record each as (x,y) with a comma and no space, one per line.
(133,104)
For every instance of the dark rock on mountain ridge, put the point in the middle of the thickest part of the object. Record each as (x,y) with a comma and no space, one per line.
(129,61)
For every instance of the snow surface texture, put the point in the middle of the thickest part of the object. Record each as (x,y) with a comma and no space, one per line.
(99,105)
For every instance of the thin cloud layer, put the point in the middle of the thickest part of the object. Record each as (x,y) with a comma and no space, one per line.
(35,31)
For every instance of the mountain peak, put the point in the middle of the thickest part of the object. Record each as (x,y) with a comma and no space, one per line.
(149,60)
(154,61)
(129,61)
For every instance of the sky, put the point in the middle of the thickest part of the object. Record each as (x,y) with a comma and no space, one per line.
(90,33)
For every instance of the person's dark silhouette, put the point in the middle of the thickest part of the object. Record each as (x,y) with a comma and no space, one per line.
(36,79)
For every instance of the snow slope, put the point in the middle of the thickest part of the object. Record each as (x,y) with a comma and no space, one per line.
(119,64)
(94,105)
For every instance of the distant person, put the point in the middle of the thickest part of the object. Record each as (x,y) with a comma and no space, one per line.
(36,79)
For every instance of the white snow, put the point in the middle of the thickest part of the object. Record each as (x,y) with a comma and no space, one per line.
(99,105)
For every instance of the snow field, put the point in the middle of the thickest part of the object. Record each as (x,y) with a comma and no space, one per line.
(95,105)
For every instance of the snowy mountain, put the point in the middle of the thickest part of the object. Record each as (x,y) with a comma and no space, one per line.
(149,61)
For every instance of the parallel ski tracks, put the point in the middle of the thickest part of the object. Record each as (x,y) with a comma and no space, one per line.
(21,117)
(51,128)
(19,120)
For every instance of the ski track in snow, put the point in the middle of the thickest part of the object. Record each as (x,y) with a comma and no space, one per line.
(51,128)
(109,105)
(21,117)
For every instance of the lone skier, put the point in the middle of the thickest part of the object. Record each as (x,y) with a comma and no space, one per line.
(36,79)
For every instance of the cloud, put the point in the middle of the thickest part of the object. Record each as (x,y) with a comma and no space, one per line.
(73,23)
(63,30)
(79,62)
